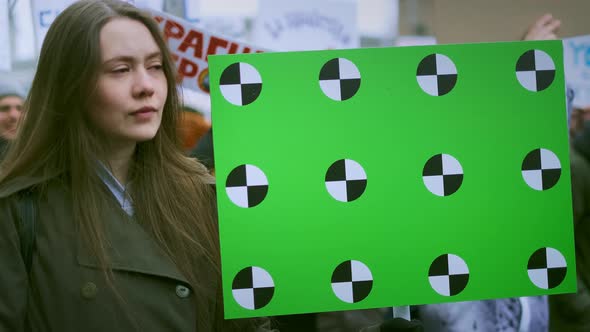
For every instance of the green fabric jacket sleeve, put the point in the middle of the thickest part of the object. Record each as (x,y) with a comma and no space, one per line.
(13,275)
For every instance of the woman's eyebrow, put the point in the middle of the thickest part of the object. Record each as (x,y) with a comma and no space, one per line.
(128,58)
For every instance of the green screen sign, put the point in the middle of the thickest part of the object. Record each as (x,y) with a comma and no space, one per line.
(366,178)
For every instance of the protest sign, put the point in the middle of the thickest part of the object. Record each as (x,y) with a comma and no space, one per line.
(379,19)
(371,178)
(191,46)
(285,25)
(5,49)
(409,40)
(191,11)
(227,8)
(44,13)
(148,4)
(576,58)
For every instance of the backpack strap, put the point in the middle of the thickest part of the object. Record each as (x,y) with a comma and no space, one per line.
(27,213)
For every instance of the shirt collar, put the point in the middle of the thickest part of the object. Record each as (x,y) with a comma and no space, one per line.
(116,188)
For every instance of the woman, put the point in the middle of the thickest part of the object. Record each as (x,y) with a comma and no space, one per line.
(126,235)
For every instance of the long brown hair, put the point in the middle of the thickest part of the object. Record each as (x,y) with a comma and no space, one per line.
(172,196)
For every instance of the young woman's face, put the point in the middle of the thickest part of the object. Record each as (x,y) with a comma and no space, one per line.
(10,112)
(132,87)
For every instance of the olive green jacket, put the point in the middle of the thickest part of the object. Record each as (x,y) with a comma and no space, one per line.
(66,289)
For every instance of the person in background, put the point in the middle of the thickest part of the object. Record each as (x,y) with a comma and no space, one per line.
(576,123)
(571,312)
(193,127)
(11,106)
(204,151)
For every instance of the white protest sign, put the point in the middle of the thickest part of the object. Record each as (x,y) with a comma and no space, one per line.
(190,47)
(149,4)
(576,59)
(230,26)
(379,19)
(44,13)
(410,40)
(192,10)
(286,25)
(241,8)
(5,58)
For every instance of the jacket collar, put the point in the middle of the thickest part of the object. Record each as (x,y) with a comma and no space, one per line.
(131,248)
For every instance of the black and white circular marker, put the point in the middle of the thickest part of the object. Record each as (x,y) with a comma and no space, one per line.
(352,281)
(547,268)
(246,186)
(448,275)
(436,74)
(240,83)
(442,175)
(346,180)
(340,79)
(535,70)
(253,288)
(541,169)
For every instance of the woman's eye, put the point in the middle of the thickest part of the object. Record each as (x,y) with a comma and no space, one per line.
(156,67)
(120,70)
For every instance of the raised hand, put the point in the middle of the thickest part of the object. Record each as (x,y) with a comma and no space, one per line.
(544,28)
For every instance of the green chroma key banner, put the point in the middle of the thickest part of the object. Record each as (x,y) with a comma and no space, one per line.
(366,178)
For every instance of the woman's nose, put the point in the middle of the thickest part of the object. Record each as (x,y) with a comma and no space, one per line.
(144,85)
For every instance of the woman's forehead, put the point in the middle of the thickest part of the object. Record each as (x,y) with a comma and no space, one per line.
(125,37)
